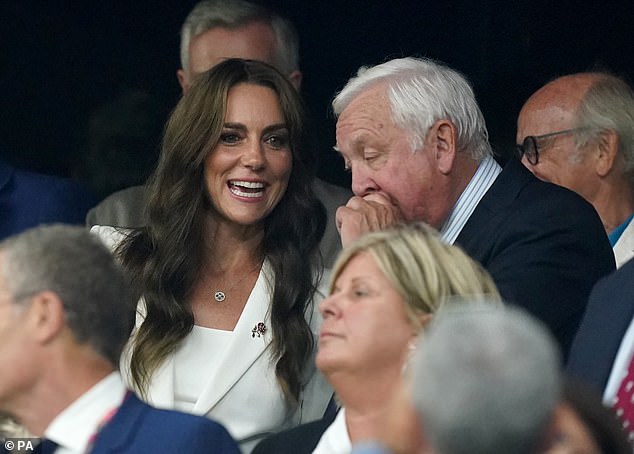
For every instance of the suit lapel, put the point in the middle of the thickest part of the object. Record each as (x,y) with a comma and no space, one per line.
(504,190)
(245,347)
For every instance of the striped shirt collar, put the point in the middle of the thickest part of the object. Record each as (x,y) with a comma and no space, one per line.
(485,175)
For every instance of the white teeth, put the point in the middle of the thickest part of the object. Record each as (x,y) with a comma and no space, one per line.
(236,191)
(248,184)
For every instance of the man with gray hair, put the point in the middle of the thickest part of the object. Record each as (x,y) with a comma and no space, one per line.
(486,381)
(482,379)
(578,131)
(213,31)
(412,134)
(66,313)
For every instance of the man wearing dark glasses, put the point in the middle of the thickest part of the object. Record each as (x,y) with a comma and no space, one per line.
(578,132)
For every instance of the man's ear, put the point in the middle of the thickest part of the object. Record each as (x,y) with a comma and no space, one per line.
(443,140)
(45,317)
(607,151)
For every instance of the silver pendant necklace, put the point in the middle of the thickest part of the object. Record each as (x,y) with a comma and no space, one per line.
(220,295)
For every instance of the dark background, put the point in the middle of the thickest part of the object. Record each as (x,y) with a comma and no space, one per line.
(62,60)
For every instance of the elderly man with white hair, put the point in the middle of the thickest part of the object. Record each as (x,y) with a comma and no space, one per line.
(412,134)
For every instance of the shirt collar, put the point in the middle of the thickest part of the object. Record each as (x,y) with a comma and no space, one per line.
(485,175)
(335,439)
(617,232)
(73,428)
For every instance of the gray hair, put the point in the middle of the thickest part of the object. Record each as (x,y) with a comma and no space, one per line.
(608,105)
(209,14)
(421,92)
(75,265)
(486,380)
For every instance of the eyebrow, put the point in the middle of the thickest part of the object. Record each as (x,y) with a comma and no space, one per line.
(266,130)
(358,279)
(357,145)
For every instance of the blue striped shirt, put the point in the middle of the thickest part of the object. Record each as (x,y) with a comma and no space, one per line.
(487,172)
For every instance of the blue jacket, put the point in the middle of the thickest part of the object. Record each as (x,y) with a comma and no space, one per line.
(607,318)
(139,428)
(28,199)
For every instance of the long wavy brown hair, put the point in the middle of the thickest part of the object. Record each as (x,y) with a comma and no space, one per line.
(164,259)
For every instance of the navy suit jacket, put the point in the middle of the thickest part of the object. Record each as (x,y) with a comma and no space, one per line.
(544,246)
(140,428)
(302,439)
(28,199)
(608,315)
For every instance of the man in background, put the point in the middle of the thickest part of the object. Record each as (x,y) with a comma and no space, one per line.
(578,131)
(488,380)
(66,313)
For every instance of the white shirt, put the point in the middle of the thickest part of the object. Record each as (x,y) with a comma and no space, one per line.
(624,246)
(619,368)
(77,423)
(485,175)
(335,440)
(199,351)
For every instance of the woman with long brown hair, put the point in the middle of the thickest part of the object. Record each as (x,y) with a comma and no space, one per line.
(227,267)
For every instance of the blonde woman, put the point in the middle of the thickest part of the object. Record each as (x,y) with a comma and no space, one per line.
(384,288)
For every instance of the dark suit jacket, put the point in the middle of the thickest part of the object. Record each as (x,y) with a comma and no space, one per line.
(608,315)
(544,246)
(140,428)
(28,199)
(302,439)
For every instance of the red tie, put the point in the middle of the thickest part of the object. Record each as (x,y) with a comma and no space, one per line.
(624,402)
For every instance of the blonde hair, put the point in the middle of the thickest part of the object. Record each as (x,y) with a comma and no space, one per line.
(425,271)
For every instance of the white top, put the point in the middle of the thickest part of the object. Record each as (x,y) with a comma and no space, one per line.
(619,368)
(200,351)
(485,176)
(335,440)
(241,390)
(77,423)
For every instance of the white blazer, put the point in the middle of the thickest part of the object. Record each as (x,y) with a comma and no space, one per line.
(242,392)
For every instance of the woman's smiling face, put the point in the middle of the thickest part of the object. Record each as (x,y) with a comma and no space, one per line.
(247,172)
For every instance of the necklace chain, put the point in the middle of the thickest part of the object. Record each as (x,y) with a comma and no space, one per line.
(221,295)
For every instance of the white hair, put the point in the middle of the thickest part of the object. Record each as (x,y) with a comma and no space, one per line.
(608,105)
(421,92)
